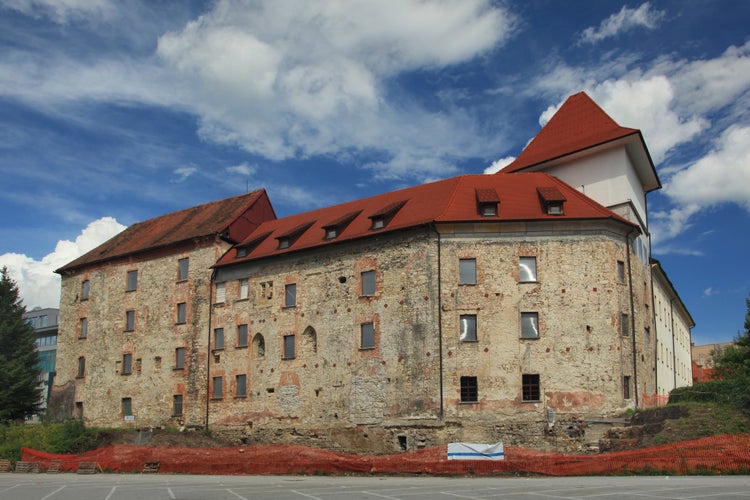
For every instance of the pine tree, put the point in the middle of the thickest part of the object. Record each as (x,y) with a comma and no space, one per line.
(20,393)
(734,361)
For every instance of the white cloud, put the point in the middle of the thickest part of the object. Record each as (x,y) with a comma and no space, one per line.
(37,282)
(182,173)
(500,164)
(242,169)
(721,176)
(625,20)
(60,11)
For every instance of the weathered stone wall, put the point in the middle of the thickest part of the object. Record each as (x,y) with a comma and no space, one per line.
(153,380)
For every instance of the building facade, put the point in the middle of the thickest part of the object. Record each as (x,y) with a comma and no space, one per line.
(512,307)
(45,324)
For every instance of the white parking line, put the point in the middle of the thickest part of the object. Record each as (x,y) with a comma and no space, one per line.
(58,489)
(305,495)
(112,492)
(236,494)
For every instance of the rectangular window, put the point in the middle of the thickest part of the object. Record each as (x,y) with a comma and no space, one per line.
(368,283)
(288,346)
(127,364)
(468,328)
(179,358)
(529,325)
(367,336)
(240,384)
(290,295)
(181,312)
(85,288)
(626,387)
(647,337)
(183,265)
(242,336)
(218,385)
(132,281)
(218,338)
(243,288)
(467,271)
(527,268)
(620,271)
(127,407)
(530,387)
(81,367)
(177,405)
(129,321)
(625,325)
(221,293)
(84,328)
(469,390)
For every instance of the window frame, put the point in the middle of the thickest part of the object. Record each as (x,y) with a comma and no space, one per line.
(367,331)
(83,331)
(468,387)
(368,281)
(533,315)
(131,281)
(531,386)
(467,271)
(127,364)
(181,313)
(465,333)
(240,329)
(130,320)
(81,373)
(85,289)
(624,325)
(243,386)
(177,404)
(527,259)
(218,336)
(217,387)
(289,346)
(126,407)
(243,288)
(221,293)
(620,271)
(179,358)
(183,268)
(626,391)
(290,295)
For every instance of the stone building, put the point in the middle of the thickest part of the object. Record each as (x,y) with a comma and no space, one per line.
(515,307)
(134,312)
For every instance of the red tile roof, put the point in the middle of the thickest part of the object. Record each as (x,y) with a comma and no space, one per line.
(232,219)
(579,124)
(449,200)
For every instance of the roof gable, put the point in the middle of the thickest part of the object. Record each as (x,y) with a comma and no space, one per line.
(231,219)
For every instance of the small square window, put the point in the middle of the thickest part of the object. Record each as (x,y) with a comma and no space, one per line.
(527,268)
(368,283)
(289,347)
(378,223)
(529,325)
(132,281)
(181,312)
(530,387)
(331,233)
(127,407)
(241,335)
(127,364)
(290,295)
(218,338)
(625,325)
(468,328)
(469,390)
(467,271)
(221,293)
(85,288)
(218,388)
(129,321)
(488,209)
(177,405)
(284,243)
(240,383)
(81,367)
(84,328)
(183,266)
(555,208)
(179,358)
(243,288)
(367,336)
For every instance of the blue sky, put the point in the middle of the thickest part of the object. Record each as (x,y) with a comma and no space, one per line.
(116,111)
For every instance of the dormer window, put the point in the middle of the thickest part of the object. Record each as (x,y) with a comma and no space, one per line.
(287,240)
(381,218)
(487,202)
(552,199)
(335,228)
(245,249)
(241,252)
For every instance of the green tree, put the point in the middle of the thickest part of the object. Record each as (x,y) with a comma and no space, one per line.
(734,360)
(20,393)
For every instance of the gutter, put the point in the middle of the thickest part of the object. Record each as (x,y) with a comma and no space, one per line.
(632,316)
(208,343)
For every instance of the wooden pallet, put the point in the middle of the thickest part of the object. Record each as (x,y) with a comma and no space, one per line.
(151,467)
(5,465)
(22,466)
(88,468)
(54,467)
